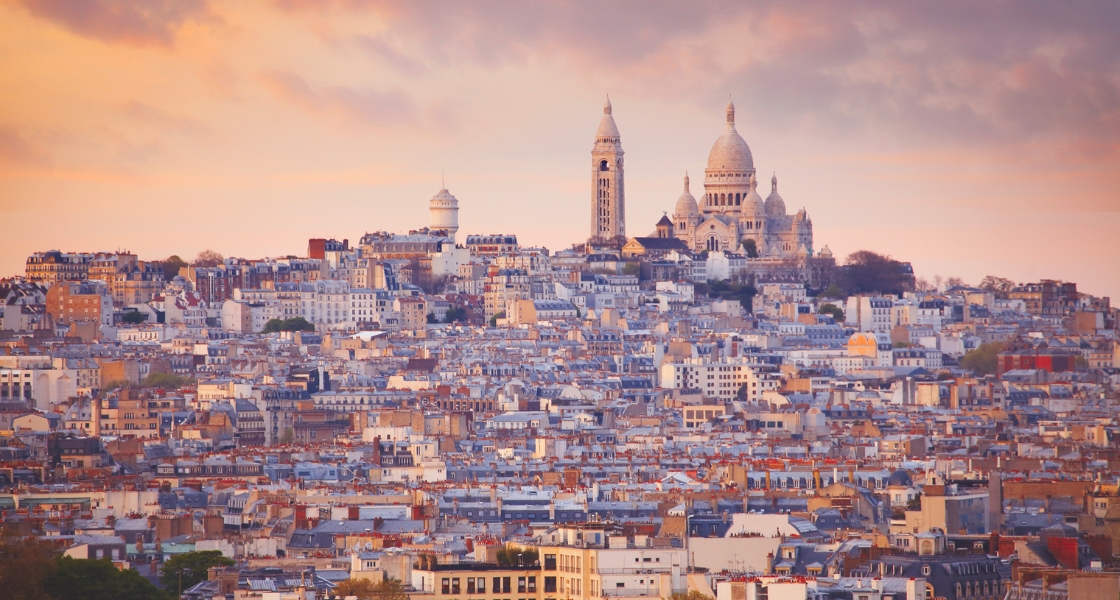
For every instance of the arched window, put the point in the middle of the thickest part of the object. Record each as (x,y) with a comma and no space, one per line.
(713,243)
(604,166)
(737,199)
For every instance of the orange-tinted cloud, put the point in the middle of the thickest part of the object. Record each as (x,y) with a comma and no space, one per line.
(147,22)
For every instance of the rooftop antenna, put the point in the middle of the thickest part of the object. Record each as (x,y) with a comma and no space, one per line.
(442,178)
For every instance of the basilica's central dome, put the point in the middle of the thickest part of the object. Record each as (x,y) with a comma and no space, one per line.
(730,152)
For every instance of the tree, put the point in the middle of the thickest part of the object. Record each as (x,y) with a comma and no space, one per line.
(431,319)
(983,360)
(134,317)
(833,291)
(516,556)
(83,579)
(494,319)
(832,310)
(293,324)
(690,595)
(631,268)
(167,380)
(171,266)
(868,272)
(955,282)
(390,589)
(25,567)
(193,567)
(998,285)
(364,589)
(750,248)
(455,314)
(208,258)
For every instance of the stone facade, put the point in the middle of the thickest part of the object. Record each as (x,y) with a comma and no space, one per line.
(608,193)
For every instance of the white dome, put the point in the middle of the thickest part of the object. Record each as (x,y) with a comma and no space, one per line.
(443,198)
(752,202)
(775,206)
(607,128)
(686,204)
(730,152)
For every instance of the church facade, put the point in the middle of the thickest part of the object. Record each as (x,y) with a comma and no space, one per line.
(731,215)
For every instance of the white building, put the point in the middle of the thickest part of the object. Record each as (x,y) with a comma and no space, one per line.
(718,380)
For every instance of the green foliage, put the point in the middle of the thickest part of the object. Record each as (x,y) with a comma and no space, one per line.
(171,266)
(293,324)
(192,566)
(516,556)
(167,380)
(494,319)
(869,273)
(901,345)
(631,268)
(431,319)
(732,290)
(982,360)
(690,595)
(455,314)
(366,589)
(832,310)
(833,291)
(80,579)
(133,317)
(25,567)
(750,248)
(116,384)
(288,436)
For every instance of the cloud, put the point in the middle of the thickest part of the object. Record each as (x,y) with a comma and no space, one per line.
(142,23)
(150,115)
(15,149)
(363,106)
(994,73)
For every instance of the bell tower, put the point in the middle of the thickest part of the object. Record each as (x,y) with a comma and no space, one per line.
(608,194)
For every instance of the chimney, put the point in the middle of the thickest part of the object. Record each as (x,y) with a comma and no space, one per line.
(95,415)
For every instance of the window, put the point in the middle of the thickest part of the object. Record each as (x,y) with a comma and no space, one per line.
(445,587)
(549,584)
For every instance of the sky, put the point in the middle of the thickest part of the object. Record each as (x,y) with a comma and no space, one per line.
(967,138)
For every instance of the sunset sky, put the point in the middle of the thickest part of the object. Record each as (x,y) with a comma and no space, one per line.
(967,138)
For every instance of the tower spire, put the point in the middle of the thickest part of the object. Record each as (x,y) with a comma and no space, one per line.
(607,105)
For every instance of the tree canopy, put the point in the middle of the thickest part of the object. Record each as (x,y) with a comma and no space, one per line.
(866,272)
(998,285)
(25,566)
(750,248)
(80,579)
(193,566)
(293,324)
(983,360)
(134,317)
(171,266)
(517,556)
(167,380)
(208,258)
(733,290)
(833,311)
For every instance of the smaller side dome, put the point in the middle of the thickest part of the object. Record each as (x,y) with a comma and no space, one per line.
(775,206)
(686,204)
(752,202)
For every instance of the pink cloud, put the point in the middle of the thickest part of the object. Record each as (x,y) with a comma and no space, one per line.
(148,22)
